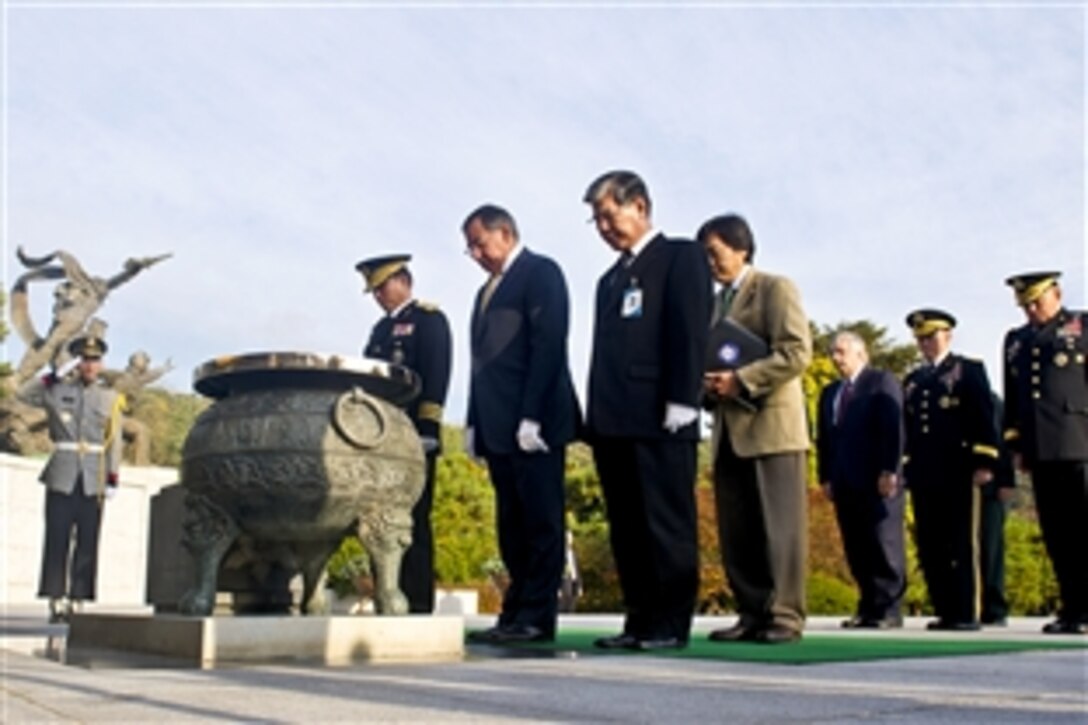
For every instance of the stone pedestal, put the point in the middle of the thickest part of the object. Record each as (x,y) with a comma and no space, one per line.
(206,642)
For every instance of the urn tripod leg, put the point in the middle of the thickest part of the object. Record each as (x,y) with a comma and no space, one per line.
(208,534)
(386,537)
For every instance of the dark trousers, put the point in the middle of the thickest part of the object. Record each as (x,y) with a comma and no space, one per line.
(649,490)
(529,508)
(762,520)
(946,513)
(1061,497)
(872,535)
(63,513)
(991,553)
(417,567)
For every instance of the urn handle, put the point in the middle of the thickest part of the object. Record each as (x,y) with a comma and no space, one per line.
(358,418)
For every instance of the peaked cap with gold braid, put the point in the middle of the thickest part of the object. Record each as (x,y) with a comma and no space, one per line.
(377,270)
(925,322)
(1031,285)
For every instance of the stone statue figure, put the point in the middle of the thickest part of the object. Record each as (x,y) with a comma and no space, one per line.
(129,382)
(75,299)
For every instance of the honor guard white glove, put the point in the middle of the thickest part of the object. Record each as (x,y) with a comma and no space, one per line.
(529,440)
(677,416)
(429,444)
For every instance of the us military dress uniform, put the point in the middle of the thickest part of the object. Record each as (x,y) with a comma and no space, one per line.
(951,433)
(84,426)
(1046,422)
(417,336)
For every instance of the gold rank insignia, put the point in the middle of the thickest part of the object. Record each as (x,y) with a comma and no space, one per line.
(1061,359)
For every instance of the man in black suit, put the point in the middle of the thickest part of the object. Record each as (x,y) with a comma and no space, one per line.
(522,412)
(1046,427)
(417,335)
(649,341)
(860,445)
(951,455)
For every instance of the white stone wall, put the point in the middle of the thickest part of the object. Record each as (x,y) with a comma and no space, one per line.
(122,554)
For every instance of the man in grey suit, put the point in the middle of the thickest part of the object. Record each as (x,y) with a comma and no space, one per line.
(760,439)
(85,427)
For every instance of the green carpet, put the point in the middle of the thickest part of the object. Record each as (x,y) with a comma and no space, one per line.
(813,649)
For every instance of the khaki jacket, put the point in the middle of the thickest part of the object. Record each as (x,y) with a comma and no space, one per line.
(770,307)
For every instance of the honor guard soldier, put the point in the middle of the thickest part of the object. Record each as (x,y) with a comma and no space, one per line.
(416,335)
(1046,427)
(84,420)
(951,454)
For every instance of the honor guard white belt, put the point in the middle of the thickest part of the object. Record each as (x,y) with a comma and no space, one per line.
(80,447)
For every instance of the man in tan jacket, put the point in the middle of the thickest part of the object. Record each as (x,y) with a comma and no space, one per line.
(760,440)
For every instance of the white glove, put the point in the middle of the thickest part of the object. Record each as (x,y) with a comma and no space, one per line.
(469,442)
(66,368)
(429,444)
(529,440)
(111,491)
(677,416)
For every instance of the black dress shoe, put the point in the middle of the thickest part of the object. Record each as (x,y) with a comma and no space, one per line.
(778,634)
(737,633)
(513,633)
(871,623)
(950,626)
(651,644)
(484,636)
(1065,626)
(618,641)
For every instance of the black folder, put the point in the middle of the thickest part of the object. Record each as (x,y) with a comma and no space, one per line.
(733,346)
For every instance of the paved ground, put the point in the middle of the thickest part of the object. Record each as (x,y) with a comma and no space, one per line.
(1033,687)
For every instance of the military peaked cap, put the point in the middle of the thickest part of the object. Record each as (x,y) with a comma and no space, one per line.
(927,321)
(378,269)
(1030,285)
(88,346)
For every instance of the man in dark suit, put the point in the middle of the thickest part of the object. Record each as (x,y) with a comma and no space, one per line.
(417,335)
(951,454)
(522,412)
(860,446)
(760,440)
(649,342)
(1046,427)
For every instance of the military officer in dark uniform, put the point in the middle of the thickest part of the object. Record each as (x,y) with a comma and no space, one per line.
(1046,426)
(951,454)
(417,335)
(85,427)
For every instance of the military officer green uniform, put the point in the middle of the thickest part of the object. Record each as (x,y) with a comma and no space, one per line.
(951,453)
(1046,426)
(417,335)
(84,426)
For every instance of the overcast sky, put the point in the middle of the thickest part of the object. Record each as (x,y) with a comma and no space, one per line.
(887,157)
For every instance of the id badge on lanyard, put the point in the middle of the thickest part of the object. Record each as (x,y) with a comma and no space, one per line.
(632,301)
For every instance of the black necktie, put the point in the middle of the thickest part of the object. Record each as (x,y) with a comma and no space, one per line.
(844,401)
